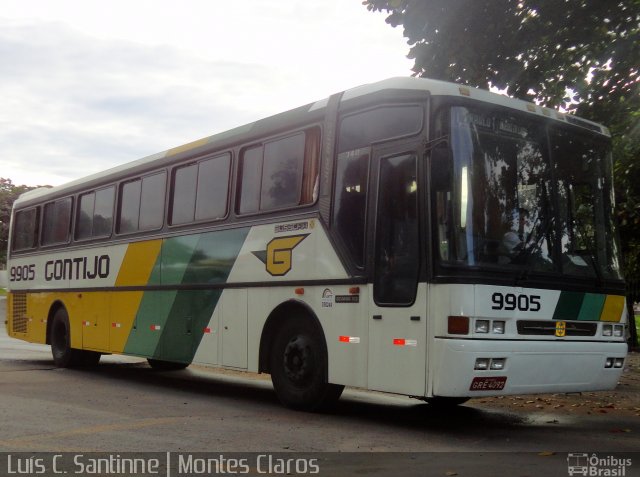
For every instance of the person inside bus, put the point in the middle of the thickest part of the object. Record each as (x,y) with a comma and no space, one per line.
(514,240)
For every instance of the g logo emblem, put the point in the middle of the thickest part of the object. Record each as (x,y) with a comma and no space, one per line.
(278,258)
(561,329)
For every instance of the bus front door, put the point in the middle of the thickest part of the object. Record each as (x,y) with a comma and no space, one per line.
(397,324)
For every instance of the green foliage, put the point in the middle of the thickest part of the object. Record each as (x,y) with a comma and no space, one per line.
(583,55)
(536,49)
(8,194)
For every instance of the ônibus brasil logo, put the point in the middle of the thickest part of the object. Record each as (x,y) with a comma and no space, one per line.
(592,465)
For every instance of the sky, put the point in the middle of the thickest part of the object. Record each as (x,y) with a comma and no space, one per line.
(86,85)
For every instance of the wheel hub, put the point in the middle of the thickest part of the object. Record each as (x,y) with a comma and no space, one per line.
(297,360)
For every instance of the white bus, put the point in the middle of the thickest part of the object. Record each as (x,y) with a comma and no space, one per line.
(409,236)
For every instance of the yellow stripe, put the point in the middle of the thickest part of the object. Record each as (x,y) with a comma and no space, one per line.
(138,263)
(124,307)
(136,269)
(187,147)
(612,310)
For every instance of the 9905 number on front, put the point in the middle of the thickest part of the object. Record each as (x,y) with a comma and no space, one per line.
(511,301)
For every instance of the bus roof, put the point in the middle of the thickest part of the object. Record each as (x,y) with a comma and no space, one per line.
(247,131)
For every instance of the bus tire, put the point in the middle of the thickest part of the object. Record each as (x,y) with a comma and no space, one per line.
(64,356)
(161,365)
(298,364)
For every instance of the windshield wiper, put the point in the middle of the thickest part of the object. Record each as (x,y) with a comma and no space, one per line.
(596,268)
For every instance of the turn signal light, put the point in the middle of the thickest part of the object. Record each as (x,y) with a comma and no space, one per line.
(458,325)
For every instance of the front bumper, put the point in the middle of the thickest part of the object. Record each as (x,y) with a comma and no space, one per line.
(530,367)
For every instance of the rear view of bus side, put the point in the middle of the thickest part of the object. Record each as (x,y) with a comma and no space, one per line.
(409,236)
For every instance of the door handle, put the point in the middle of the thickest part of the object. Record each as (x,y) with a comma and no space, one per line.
(377,317)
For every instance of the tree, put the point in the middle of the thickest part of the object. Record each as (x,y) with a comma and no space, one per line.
(8,194)
(534,48)
(583,55)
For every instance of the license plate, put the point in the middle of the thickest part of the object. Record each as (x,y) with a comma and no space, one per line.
(495,383)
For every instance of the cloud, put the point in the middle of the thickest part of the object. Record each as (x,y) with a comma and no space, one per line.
(77,105)
(86,88)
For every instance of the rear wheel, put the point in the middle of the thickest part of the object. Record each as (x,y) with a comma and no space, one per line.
(64,356)
(160,365)
(298,365)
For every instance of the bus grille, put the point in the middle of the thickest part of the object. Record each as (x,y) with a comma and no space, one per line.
(19,314)
(540,328)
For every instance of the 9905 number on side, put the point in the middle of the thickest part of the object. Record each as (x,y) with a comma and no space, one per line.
(511,301)
(22,273)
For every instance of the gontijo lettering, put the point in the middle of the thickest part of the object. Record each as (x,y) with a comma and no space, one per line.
(79,268)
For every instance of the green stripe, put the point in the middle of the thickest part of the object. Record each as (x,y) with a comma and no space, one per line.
(153,311)
(591,307)
(182,315)
(569,305)
(579,306)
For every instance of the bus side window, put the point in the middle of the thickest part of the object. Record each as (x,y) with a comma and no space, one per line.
(25,236)
(183,204)
(129,206)
(397,233)
(103,212)
(213,188)
(311,170)
(152,201)
(200,190)
(142,203)
(56,222)
(250,172)
(357,133)
(84,223)
(280,173)
(95,214)
(350,201)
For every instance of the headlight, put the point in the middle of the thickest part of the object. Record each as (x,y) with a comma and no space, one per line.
(482,326)
(482,364)
(497,364)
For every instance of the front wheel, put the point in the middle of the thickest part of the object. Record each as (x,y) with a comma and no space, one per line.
(298,365)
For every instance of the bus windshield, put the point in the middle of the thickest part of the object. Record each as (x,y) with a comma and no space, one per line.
(525,196)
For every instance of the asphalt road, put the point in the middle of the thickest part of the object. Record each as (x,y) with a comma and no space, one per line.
(124,406)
